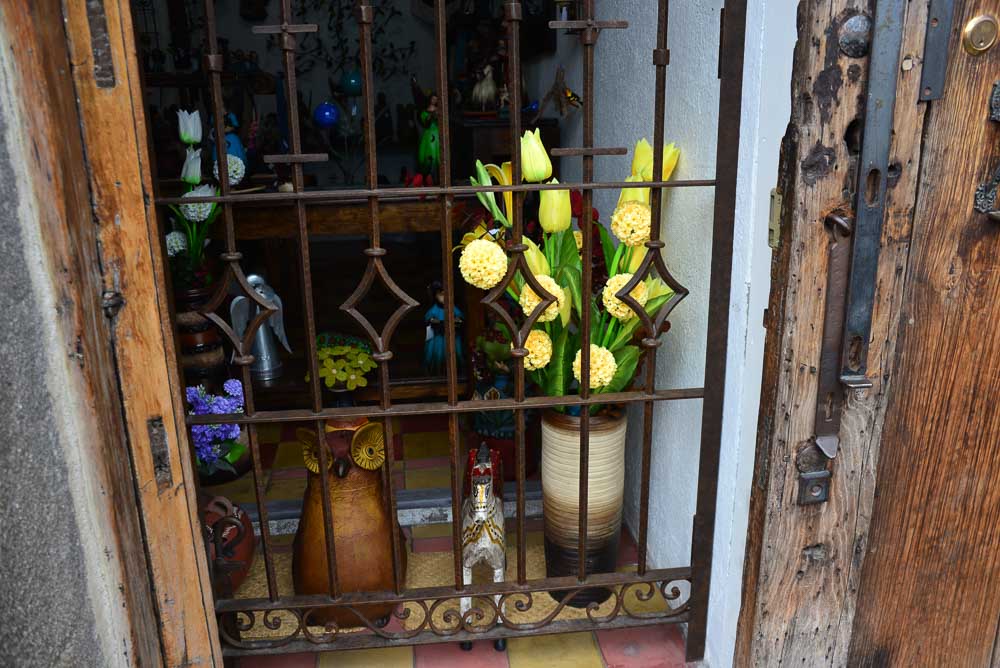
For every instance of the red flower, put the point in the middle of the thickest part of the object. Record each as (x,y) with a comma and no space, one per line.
(576,203)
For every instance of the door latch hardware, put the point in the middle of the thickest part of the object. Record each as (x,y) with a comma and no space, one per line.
(883,71)
(985,199)
(936,38)
(774,219)
(980,34)
(814,487)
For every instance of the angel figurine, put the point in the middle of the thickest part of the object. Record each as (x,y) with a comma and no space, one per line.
(266,361)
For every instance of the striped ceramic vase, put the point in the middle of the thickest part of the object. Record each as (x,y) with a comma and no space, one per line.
(561,497)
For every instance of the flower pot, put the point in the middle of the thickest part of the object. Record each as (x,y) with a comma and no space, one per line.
(221,477)
(561,497)
(202,356)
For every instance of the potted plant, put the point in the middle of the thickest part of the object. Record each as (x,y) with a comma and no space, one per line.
(344,365)
(221,452)
(554,356)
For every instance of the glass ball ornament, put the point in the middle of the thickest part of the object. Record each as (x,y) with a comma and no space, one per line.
(326,115)
(350,82)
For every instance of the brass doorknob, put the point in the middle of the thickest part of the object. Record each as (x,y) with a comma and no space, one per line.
(980,34)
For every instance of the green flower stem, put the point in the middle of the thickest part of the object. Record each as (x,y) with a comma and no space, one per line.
(627,260)
(608,338)
(614,263)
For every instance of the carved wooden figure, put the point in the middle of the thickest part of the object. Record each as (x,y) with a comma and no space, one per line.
(483,526)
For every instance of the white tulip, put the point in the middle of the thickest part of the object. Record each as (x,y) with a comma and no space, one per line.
(191,173)
(190,126)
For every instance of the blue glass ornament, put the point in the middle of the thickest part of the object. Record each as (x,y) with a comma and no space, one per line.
(326,115)
(350,83)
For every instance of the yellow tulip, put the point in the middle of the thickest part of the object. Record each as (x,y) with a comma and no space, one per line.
(537,263)
(566,309)
(670,155)
(555,212)
(642,159)
(502,176)
(638,255)
(535,164)
(634,194)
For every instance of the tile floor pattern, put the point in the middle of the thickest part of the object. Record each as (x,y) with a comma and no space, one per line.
(421,449)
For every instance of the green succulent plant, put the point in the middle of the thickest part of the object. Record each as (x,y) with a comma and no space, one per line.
(344,366)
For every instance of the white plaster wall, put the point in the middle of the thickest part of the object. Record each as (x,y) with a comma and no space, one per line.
(624,84)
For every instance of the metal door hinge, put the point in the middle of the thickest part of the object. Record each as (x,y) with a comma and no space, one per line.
(774,219)
(111,302)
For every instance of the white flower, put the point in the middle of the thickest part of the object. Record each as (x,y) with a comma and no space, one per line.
(191,173)
(190,126)
(199,212)
(237,170)
(176,243)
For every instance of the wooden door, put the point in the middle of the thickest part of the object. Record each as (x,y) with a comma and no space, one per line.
(930,584)
(901,566)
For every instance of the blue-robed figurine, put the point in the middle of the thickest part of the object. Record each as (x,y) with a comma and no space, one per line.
(434,344)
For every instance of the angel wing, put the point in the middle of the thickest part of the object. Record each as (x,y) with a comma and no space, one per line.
(276,321)
(239,313)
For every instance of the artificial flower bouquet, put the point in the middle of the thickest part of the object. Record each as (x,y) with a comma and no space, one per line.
(192,222)
(217,447)
(553,360)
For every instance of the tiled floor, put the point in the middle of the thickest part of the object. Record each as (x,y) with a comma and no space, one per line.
(422,446)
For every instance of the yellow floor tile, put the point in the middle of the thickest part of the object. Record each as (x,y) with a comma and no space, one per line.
(389,657)
(239,491)
(287,489)
(428,479)
(421,445)
(269,432)
(289,455)
(569,650)
(431,530)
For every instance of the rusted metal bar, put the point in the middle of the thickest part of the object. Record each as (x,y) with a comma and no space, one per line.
(660,60)
(259,493)
(571,152)
(726,162)
(355,194)
(440,408)
(588,284)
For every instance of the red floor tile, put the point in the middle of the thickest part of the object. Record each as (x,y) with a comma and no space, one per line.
(450,655)
(439,544)
(628,553)
(429,463)
(279,661)
(414,423)
(646,647)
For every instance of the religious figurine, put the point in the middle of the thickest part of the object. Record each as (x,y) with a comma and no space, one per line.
(483,525)
(560,95)
(429,149)
(266,360)
(434,343)
(484,94)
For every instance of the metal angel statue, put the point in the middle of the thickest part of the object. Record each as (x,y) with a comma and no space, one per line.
(267,362)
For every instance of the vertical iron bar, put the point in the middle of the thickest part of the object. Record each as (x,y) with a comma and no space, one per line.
(288,43)
(588,37)
(444,180)
(660,60)
(726,161)
(513,15)
(365,13)
(214,67)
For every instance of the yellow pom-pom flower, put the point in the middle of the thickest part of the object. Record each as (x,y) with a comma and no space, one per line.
(617,307)
(483,264)
(631,222)
(539,347)
(529,300)
(602,366)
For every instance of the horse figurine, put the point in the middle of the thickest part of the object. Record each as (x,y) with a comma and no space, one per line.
(483,525)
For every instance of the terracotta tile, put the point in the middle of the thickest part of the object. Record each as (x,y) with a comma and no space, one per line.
(389,657)
(628,553)
(450,655)
(568,650)
(647,647)
(279,661)
(439,544)
(431,530)
(428,478)
(397,447)
(419,423)
(398,480)
(430,463)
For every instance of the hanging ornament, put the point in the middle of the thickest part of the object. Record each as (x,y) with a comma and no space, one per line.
(326,115)
(350,83)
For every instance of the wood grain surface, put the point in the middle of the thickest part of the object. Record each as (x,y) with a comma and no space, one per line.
(930,586)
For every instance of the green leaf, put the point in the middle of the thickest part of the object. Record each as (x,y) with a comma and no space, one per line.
(627,359)
(496,351)
(570,279)
(560,366)
(607,244)
(236,450)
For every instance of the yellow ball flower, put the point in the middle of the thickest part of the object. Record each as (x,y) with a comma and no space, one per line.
(578,237)
(529,300)
(539,347)
(483,264)
(617,307)
(602,366)
(631,222)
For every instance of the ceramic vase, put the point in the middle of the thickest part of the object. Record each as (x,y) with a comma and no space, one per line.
(561,497)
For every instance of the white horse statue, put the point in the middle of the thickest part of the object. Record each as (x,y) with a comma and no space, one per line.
(482,530)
